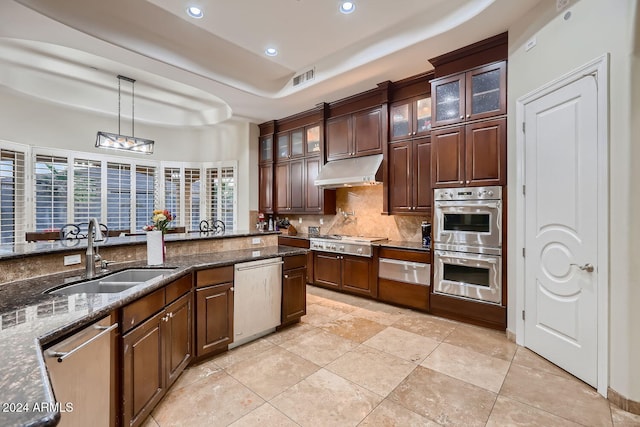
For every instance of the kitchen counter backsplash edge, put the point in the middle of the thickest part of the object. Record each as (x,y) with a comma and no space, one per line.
(31,320)
(20,250)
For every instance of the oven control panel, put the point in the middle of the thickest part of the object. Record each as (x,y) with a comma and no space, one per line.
(468,193)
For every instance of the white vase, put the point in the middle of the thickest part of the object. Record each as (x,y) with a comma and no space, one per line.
(155,248)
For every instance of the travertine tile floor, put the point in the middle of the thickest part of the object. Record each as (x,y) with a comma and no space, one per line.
(353,361)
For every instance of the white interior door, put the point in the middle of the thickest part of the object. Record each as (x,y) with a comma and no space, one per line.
(561,227)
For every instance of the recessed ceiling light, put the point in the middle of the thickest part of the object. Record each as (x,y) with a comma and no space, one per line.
(347,7)
(271,51)
(195,12)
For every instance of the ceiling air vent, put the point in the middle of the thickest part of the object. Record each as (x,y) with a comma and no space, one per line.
(304,77)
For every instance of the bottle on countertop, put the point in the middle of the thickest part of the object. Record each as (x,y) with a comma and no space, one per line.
(270,224)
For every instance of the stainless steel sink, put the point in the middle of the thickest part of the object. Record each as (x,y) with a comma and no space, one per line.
(113,283)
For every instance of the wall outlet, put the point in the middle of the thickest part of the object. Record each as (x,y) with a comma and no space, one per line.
(256,240)
(255,253)
(300,220)
(321,221)
(72,259)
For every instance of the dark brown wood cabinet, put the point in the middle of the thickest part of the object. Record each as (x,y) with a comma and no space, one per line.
(357,276)
(470,155)
(265,173)
(345,273)
(179,337)
(354,135)
(144,374)
(472,95)
(402,293)
(214,310)
(410,176)
(410,118)
(289,186)
(316,199)
(294,289)
(154,351)
(265,188)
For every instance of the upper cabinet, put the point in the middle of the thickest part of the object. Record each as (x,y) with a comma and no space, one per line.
(266,149)
(354,135)
(409,118)
(476,94)
(312,141)
(301,142)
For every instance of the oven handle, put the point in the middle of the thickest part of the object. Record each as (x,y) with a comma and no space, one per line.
(490,205)
(487,260)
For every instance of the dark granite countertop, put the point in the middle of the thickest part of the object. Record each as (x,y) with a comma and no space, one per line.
(30,320)
(402,244)
(19,250)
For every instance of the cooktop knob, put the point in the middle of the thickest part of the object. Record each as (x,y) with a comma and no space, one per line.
(359,250)
(341,248)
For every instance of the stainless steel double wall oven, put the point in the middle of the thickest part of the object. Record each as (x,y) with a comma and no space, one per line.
(467,243)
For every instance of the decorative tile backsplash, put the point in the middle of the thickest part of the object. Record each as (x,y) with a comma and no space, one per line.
(359,214)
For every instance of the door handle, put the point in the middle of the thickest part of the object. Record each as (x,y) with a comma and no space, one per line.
(587,267)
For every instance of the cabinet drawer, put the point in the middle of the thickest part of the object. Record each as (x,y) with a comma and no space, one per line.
(145,307)
(295,261)
(405,294)
(178,288)
(214,276)
(405,255)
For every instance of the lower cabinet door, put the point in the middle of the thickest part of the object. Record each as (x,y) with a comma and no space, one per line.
(294,294)
(327,270)
(357,275)
(214,312)
(179,333)
(143,369)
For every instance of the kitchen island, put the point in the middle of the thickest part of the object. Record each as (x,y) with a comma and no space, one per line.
(31,319)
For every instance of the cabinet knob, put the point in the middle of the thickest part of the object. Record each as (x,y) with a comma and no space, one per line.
(286,276)
(461,117)
(468,116)
(461,182)
(232,289)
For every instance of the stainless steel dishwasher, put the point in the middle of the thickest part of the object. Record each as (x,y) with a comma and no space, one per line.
(80,369)
(257,299)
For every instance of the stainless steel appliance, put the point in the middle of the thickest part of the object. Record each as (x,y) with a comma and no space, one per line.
(257,299)
(467,242)
(468,275)
(81,375)
(360,246)
(468,216)
(416,273)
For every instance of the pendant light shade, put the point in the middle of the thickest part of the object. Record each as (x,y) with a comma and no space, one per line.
(121,142)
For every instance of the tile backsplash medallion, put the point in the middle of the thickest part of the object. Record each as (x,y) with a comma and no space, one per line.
(359,214)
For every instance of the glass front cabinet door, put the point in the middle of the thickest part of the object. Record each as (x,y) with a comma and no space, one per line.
(313,140)
(410,118)
(266,149)
(486,91)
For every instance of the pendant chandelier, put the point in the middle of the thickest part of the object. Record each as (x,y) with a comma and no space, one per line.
(121,142)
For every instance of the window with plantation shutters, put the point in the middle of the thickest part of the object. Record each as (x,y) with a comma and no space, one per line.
(87,189)
(227,196)
(118,196)
(221,195)
(192,198)
(172,191)
(12,213)
(51,189)
(145,195)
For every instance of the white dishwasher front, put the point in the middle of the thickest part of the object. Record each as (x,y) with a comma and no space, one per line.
(257,299)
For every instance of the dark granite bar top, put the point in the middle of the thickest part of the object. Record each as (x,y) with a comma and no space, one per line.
(402,244)
(30,320)
(19,250)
